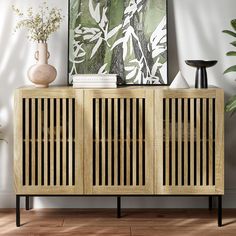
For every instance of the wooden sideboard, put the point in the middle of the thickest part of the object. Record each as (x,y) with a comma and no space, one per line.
(118,142)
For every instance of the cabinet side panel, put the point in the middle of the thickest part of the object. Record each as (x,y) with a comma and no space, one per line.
(18,141)
(219,142)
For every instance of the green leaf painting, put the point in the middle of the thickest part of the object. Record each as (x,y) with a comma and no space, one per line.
(124,37)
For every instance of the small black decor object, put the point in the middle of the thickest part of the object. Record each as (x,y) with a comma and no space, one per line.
(201,73)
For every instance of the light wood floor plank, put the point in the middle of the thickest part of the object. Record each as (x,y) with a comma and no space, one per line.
(196,222)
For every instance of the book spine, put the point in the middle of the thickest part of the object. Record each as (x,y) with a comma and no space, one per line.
(94,86)
(95,77)
(94,80)
(103,83)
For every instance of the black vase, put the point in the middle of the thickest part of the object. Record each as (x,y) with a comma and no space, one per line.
(201,73)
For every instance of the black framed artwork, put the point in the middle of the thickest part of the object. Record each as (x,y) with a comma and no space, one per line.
(123,37)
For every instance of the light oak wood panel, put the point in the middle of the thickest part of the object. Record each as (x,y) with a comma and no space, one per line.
(58,140)
(219,142)
(185,149)
(48,158)
(116,156)
(127,180)
(199,142)
(180,140)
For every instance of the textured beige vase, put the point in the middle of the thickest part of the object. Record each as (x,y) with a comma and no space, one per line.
(42,74)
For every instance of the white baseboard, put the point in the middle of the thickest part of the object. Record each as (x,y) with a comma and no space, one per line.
(7,200)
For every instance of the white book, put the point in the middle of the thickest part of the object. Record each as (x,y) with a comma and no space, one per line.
(94,78)
(102,83)
(95,75)
(94,85)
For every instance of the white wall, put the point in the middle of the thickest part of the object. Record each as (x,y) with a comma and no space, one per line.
(194,33)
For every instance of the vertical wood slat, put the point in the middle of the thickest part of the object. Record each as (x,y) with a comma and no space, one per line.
(70,127)
(173,160)
(115,142)
(78,124)
(128,141)
(103,124)
(39,141)
(204,157)
(33,156)
(52,141)
(167,137)
(179,141)
(27,113)
(97,140)
(134,142)
(192,141)
(186,141)
(64,141)
(58,141)
(140,122)
(121,141)
(45,156)
(109,143)
(159,127)
(210,142)
(198,142)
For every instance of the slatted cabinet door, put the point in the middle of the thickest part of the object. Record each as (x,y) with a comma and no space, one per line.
(189,141)
(118,141)
(48,141)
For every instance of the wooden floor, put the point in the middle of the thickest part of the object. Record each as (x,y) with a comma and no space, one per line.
(104,222)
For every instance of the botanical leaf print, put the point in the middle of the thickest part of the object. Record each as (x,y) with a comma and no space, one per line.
(102,70)
(120,37)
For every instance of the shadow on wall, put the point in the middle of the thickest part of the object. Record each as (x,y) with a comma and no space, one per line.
(16,57)
(13,54)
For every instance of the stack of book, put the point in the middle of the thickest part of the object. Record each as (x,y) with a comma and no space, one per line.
(95,81)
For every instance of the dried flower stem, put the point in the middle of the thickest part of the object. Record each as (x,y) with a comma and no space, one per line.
(41,24)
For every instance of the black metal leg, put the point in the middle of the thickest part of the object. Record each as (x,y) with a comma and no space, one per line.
(17,211)
(118,207)
(27,203)
(210,202)
(219,211)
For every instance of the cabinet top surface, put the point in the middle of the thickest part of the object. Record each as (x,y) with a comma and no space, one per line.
(124,88)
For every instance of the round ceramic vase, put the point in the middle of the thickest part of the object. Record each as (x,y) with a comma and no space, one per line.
(42,74)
